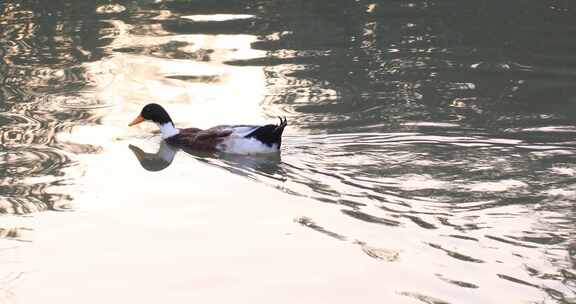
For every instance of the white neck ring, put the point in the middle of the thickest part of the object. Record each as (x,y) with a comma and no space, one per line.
(168,130)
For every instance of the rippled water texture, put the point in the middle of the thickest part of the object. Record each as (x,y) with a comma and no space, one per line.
(429,156)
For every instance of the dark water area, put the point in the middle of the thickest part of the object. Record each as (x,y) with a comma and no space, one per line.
(443,129)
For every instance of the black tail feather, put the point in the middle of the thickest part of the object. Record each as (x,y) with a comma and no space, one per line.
(270,134)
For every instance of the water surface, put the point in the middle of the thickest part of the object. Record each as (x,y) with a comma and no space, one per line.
(429,156)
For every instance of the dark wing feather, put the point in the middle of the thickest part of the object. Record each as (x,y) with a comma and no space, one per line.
(200,139)
(270,134)
(214,133)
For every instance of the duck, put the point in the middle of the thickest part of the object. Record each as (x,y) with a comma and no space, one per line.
(234,139)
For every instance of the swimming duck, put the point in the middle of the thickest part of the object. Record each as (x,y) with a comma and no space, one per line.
(237,139)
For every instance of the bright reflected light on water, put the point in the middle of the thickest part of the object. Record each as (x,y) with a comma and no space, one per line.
(197,93)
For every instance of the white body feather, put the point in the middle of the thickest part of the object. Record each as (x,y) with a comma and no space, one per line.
(242,145)
(236,143)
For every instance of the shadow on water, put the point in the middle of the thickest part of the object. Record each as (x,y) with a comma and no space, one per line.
(266,168)
(394,62)
(252,166)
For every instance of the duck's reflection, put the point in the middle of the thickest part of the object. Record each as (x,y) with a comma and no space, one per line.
(253,166)
(155,161)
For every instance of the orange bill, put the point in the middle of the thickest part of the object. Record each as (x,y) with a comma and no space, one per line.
(136,121)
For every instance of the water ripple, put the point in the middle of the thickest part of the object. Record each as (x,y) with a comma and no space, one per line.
(33,161)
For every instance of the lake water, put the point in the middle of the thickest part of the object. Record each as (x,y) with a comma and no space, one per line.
(429,157)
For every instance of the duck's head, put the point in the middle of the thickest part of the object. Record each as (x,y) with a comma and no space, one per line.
(155,113)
